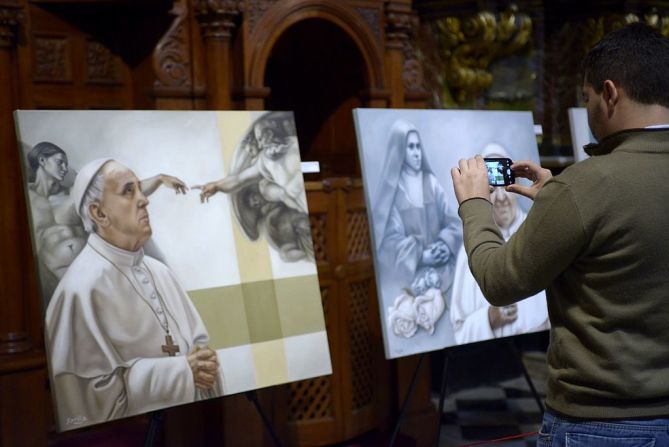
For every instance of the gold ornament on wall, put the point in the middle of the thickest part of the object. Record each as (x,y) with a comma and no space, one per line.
(459,51)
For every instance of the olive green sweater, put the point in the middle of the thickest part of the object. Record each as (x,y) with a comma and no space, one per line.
(597,239)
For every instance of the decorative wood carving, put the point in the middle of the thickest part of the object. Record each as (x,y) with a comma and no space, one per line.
(52,58)
(13,327)
(10,17)
(312,399)
(371,16)
(255,9)
(352,401)
(465,47)
(102,66)
(217,17)
(360,341)
(400,24)
(401,32)
(318,235)
(412,70)
(172,56)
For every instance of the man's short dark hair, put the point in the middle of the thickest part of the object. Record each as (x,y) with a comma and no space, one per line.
(636,58)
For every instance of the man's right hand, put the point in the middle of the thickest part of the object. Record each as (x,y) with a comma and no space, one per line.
(532,171)
(203,361)
(207,190)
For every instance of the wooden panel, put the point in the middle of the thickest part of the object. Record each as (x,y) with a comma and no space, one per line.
(71,68)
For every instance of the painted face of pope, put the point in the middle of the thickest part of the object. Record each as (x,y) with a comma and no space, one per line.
(504,207)
(121,215)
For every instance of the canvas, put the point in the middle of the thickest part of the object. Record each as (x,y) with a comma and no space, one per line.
(220,296)
(580,132)
(427,296)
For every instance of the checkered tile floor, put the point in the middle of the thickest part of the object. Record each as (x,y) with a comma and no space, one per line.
(496,410)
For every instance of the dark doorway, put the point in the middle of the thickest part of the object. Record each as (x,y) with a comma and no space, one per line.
(316,71)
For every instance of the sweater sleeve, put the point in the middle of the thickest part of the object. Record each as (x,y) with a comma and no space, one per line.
(545,244)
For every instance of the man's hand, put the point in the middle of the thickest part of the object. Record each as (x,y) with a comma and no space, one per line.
(470,179)
(151,184)
(203,361)
(172,182)
(501,316)
(532,171)
(207,190)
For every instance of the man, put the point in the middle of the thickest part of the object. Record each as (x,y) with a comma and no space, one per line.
(596,239)
(122,335)
(473,318)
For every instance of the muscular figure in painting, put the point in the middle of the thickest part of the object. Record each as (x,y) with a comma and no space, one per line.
(58,231)
(274,166)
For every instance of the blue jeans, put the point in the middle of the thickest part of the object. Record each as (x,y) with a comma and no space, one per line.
(557,431)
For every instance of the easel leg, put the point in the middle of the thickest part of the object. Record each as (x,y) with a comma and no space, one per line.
(155,424)
(407,398)
(519,359)
(253,397)
(442,397)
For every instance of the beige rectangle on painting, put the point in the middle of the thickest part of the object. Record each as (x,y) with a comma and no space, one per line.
(252,256)
(270,363)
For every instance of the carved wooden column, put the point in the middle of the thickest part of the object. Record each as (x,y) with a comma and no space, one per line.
(178,63)
(217,19)
(23,398)
(400,22)
(415,95)
(13,293)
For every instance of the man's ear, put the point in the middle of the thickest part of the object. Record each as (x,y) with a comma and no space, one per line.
(98,215)
(611,95)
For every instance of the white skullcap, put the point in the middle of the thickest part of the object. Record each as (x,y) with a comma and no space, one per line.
(492,149)
(83,180)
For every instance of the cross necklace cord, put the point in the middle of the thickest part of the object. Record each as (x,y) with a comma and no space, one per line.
(170,348)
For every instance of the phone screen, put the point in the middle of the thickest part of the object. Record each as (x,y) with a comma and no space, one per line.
(499,171)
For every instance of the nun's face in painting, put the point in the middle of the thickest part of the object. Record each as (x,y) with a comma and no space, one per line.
(414,152)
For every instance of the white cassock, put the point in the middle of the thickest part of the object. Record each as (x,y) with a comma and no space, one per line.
(469,308)
(105,329)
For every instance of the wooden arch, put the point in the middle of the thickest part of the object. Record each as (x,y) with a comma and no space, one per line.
(283,15)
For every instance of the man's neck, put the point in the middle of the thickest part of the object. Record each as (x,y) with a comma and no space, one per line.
(120,240)
(638,116)
(45,185)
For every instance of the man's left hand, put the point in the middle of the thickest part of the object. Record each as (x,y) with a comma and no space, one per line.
(172,182)
(470,179)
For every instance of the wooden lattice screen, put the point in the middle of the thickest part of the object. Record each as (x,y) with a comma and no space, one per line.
(332,409)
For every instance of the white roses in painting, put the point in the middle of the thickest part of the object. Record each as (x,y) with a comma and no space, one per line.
(420,307)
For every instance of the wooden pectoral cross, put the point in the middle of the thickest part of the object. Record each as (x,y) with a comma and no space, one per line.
(169,347)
